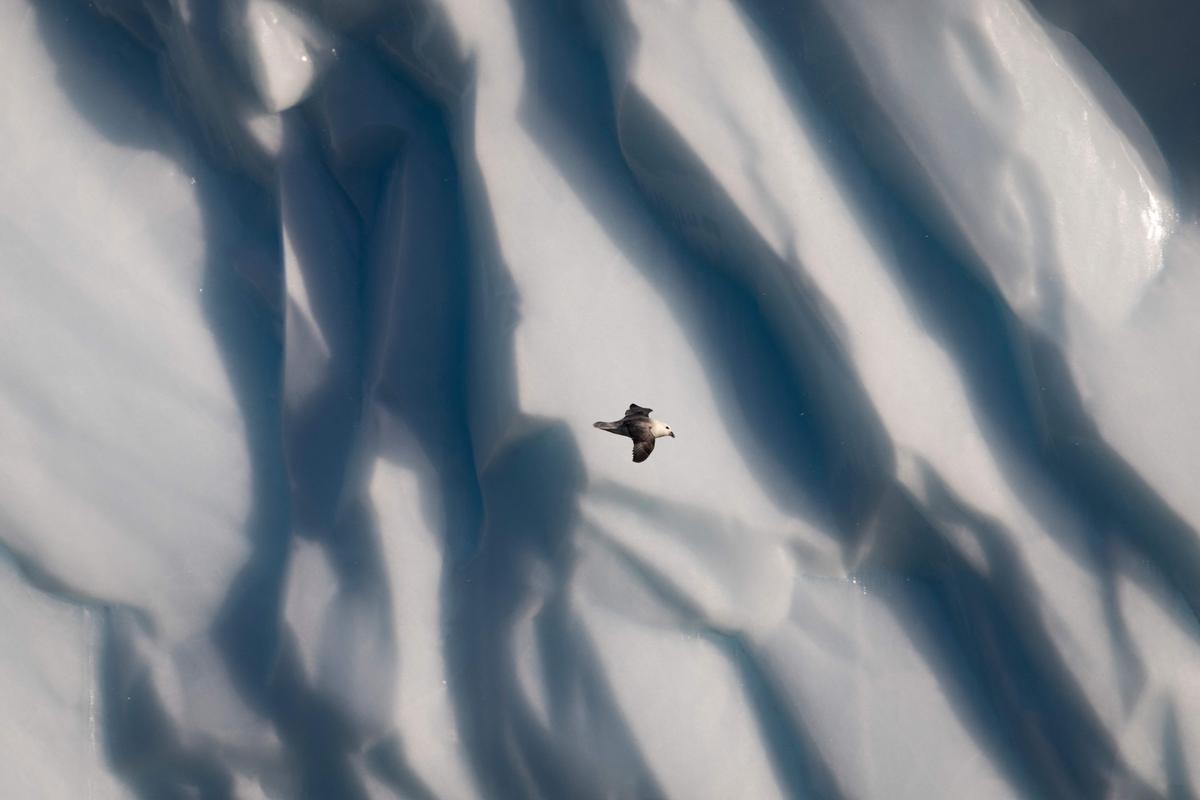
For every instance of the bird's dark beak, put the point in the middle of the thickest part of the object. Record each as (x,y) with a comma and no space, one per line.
(672,434)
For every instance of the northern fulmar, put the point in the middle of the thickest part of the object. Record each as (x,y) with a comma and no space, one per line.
(637,425)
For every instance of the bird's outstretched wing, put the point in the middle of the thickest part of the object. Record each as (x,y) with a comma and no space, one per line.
(637,411)
(642,448)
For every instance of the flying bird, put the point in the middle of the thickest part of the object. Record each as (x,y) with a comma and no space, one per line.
(637,425)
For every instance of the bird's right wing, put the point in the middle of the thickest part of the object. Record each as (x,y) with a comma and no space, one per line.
(637,411)
(642,448)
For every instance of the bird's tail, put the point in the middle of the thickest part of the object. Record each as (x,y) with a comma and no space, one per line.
(605,426)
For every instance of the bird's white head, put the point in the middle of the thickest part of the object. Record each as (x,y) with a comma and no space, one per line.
(660,429)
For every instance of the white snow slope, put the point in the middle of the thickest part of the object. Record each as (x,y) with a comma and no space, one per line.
(307,309)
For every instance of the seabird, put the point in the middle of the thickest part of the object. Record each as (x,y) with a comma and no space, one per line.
(637,425)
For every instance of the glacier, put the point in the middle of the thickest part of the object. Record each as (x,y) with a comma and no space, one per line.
(308,307)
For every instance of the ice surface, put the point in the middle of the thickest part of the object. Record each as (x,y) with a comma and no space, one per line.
(308,308)
(52,734)
(120,425)
(1013,137)
(285,51)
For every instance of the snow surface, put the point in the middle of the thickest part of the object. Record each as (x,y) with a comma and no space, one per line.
(308,308)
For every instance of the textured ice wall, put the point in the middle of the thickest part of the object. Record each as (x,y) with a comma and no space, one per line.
(307,309)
